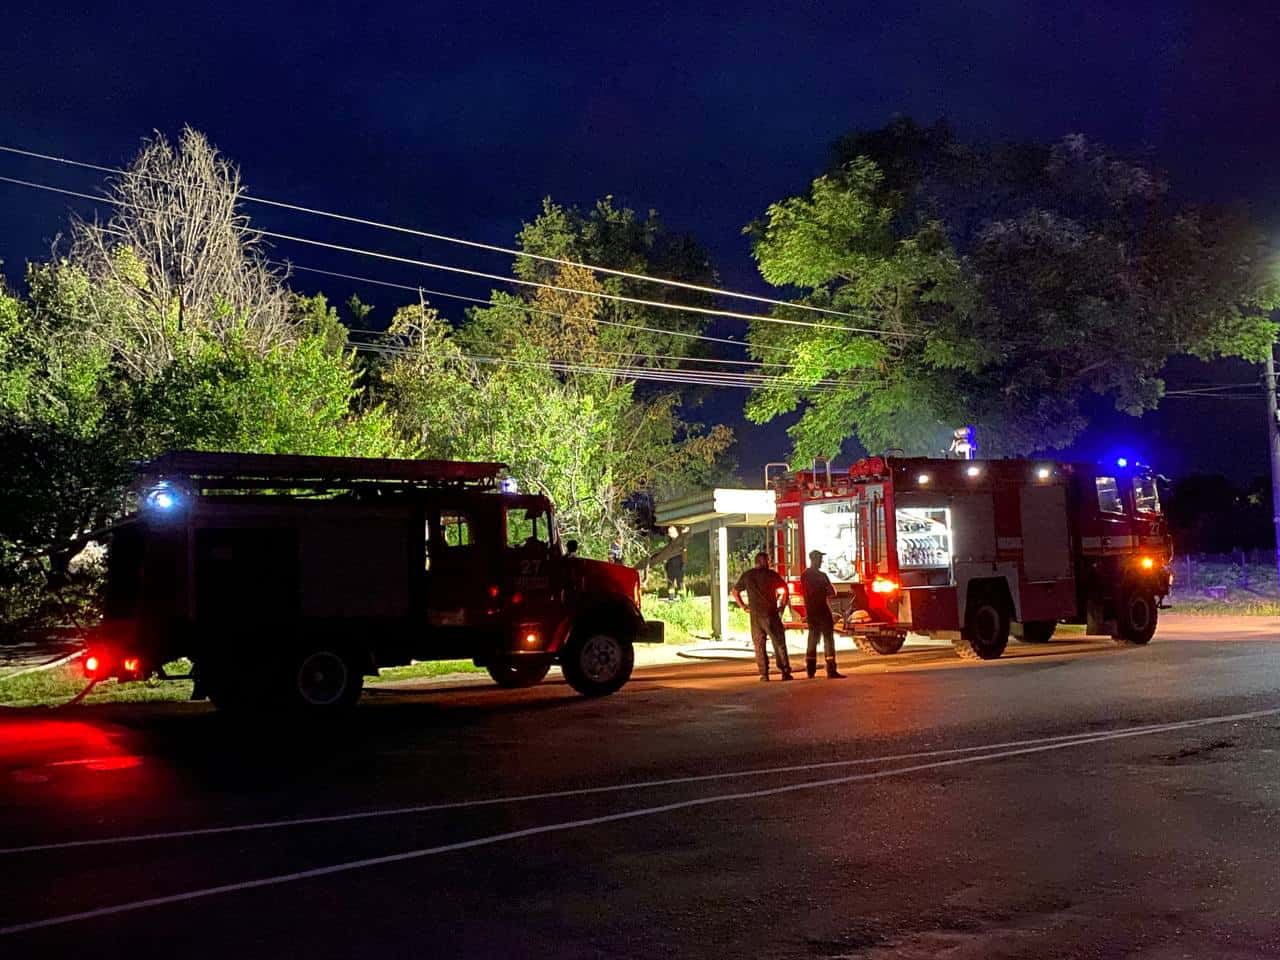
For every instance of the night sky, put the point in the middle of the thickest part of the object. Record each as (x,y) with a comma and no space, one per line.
(458,118)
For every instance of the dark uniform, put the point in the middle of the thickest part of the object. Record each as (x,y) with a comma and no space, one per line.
(761,586)
(817,590)
(675,574)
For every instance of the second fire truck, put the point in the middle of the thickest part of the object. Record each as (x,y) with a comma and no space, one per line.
(974,550)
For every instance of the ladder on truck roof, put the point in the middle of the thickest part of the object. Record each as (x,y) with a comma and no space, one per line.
(201,471)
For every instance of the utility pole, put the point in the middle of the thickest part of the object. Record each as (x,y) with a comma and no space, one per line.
(1273,438)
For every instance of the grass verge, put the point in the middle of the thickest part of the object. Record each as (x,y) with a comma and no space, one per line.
(1221,608)
(426,669)
(688,619)
(57,685)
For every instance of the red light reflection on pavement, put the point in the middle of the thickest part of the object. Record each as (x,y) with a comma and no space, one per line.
(125,762)
(41,751)
(25,739)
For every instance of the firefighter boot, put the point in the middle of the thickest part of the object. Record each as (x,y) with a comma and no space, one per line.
(811,667)
(832,672)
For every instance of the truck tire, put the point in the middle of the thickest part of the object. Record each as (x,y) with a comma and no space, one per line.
(1036,631)
(597,662)
(322,678)
(1136,617)
(986,630)
(512,674)
(882,644)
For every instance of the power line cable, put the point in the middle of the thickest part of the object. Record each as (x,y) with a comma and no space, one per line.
(525,306)
(637,355)
(603,295)
(659,374)
(494,248)
(499,278)
(634,354)
(407,287)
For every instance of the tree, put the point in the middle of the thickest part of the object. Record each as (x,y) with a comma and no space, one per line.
(996,286)
(177,262)
(617,238)
(855,376)
(110,359)
(534,381)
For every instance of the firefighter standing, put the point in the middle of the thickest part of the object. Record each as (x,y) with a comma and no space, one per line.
(675,575)
(763,587)
(818,592)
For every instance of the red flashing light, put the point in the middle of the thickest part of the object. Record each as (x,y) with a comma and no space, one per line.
(493,591)
(131,664)
(868,467)
(883,585)
(517,597)
(1147,563)
(91,665)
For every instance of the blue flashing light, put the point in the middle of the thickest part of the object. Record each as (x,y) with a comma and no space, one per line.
(1122,462)
(162,497)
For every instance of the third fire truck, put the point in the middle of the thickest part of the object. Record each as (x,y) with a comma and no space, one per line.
(972,550)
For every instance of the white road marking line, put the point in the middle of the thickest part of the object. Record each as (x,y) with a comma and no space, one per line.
(559,794)
(608,818)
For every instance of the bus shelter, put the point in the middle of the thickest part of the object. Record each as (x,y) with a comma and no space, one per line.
(714,512)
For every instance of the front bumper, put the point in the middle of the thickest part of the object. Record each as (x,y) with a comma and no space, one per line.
(651,631)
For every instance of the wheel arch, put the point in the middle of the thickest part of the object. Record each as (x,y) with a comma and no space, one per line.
(607,610)
(1000,578)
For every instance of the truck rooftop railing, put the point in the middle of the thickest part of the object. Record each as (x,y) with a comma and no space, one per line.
(199,471)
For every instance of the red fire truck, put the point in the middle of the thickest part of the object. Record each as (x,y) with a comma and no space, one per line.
(288,579)
(970,550)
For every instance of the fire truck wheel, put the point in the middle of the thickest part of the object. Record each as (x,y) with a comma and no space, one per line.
(323,679)
(518,673)
(986,630)
(879,643)
(1136,618)
(1036,631)
(597,662)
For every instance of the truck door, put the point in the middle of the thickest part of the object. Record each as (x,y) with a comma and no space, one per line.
(531,554)
(1112,531)
(535,572)
(460,569)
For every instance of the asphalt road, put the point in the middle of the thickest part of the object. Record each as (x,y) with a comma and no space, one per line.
(1071,800)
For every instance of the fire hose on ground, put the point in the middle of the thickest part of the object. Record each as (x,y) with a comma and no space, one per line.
(60,661)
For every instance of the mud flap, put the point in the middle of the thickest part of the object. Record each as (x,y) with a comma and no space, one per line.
(653,631)
(1096,622)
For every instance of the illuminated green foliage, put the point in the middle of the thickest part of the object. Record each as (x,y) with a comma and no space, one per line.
(1001,287)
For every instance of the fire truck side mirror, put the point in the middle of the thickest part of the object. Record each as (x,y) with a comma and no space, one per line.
(571,547)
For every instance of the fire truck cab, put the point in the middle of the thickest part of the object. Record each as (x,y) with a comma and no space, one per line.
(288,579)
(972,550)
